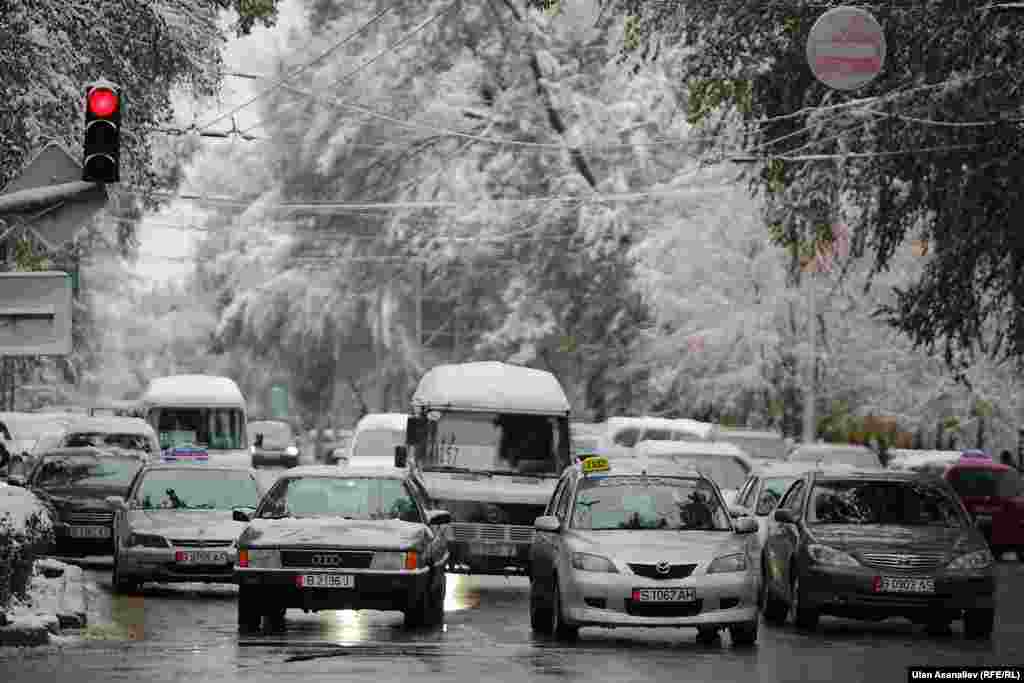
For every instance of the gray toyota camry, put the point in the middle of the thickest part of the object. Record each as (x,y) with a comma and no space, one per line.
(331,538)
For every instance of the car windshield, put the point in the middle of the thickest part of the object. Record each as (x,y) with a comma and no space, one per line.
(380,442)
(363,498)
(980,482)
(211,428)
(883,502)
(275,434)
(727,471)
(196,489)
(501,444)
(771,493)
(85,470)
(132,442)
(855,458)
(664,503)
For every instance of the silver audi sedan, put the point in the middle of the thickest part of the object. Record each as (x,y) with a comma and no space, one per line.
(176,524)
(641,542)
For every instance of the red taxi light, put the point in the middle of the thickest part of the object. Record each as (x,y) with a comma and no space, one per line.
(243,558)
(179,556)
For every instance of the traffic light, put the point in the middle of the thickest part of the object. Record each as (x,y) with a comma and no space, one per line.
(102,132)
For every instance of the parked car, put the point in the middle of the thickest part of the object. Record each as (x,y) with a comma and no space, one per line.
(763,490)
(75,483)
(273,442)
(326,538)
(758,444)
(20,431)
(726,464)
(874,544)
(122,433)
(176,524)
(835,454)
(622,434)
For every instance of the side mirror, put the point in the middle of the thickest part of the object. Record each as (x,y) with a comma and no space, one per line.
(16,480)
(548,523)
(401,456)
(438,517)
(745,525)
(415,429)
(241,515)
(784,517)
(116,502)
(738,511)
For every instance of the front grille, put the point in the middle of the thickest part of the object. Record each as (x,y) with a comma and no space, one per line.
(663,609)
(903,562)
(462,532)
(193,543)
(86,517)
(318,559)
(650,571)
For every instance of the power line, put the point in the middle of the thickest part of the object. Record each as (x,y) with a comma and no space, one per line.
(390,48)
(302,67)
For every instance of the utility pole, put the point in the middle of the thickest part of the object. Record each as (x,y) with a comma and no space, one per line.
(420,284)
(810,425)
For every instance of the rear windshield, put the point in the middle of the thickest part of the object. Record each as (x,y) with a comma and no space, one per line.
(970,482)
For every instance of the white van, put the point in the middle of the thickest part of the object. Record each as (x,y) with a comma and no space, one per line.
(377,434)
(199,410)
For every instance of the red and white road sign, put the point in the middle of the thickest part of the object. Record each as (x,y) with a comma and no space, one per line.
(846,48)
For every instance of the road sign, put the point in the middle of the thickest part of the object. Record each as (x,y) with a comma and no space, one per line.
(35,314)
(846,48)
(60,214)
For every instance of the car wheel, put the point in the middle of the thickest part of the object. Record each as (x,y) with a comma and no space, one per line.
(540,617)
(429,607)
(707,635)
(804,618)
(744,634)
(250,612)
(773,609)
(121,584)
(978,623)
(559,628)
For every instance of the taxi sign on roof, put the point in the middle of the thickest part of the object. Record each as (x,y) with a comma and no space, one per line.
(975,454)
(185,454)
(595,465)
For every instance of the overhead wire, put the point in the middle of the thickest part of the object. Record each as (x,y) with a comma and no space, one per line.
(302,67)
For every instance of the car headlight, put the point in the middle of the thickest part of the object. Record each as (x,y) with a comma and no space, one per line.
(393,561)
(585,562)
(252,450)
(291,450)
(146,541)
(728,563)
(979,559)
(261,558)
(822,554)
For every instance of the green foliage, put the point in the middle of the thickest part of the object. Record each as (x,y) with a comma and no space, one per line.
(27,258)
(708,96)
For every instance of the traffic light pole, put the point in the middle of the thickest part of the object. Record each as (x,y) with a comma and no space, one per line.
(44,197)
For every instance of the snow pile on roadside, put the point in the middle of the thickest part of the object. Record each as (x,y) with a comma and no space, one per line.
(26,531)
(17,507)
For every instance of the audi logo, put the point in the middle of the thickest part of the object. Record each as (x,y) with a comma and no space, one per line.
(327,560)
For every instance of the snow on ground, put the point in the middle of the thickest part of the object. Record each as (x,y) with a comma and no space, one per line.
(17,505)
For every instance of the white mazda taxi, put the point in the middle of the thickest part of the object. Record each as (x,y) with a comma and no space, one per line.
(642,543)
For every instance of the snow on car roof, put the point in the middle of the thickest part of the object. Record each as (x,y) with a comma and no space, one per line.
(390,421)
(655,448)
(700,429)
(491,386)
(785,469)
(382,471)
(193,390)
(110,425)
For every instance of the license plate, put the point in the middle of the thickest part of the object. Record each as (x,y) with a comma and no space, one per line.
(89,531)
(326,581)
(664,595)
(495,550)
(201,557)
(897,585)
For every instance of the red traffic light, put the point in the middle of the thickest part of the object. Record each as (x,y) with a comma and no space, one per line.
(102,102)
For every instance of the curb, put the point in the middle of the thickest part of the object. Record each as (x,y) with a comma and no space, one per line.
(71,610)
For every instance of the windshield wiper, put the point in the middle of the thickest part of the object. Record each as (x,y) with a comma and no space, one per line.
(453,468)
(533,475)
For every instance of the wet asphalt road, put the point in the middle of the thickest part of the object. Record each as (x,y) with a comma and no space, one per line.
(189,633)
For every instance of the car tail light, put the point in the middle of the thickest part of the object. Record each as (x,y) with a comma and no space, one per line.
(636,596)
(876,585)
(179,556)
(243,558)
(411,560)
